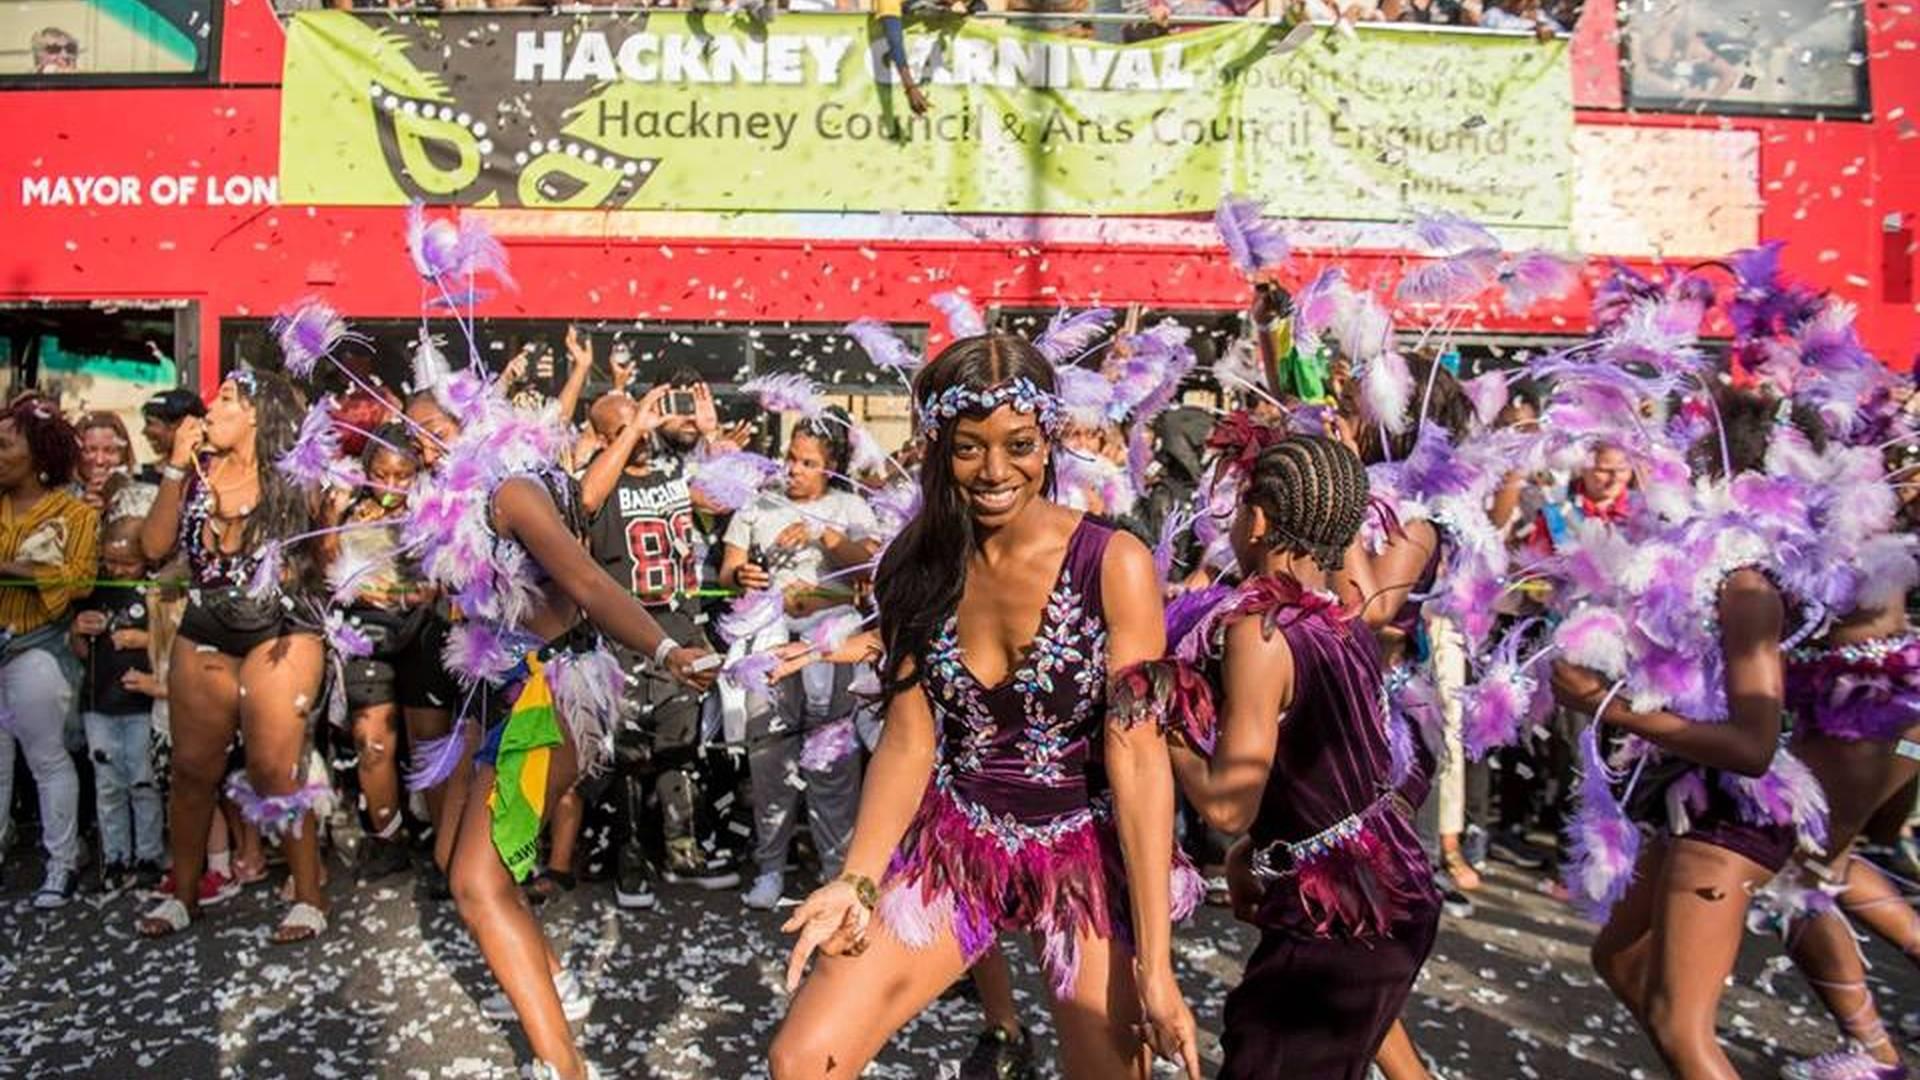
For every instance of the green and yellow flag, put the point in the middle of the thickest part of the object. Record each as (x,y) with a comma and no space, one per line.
(519,795)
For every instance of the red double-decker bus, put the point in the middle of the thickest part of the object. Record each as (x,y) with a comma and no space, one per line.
(144,239)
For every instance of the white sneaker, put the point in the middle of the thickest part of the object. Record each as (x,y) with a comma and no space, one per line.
(765,893)
(575,1002)
(56,890)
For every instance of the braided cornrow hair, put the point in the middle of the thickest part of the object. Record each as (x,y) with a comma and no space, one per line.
(1314,494)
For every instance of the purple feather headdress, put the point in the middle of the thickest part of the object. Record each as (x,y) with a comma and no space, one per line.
(1455,279)
(308,332)
(1317,306)
(1489,395)
(315,459)
(882,345)
(1386,389)
(731,480)
(786,392)
(1253,242)
(1445,232)
(963,319)
(1085,396)
(446,252)
(1069,337)
(1535,275)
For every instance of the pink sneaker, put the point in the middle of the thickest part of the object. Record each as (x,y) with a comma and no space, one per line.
(1842,1065)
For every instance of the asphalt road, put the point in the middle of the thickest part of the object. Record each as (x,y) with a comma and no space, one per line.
(691,990)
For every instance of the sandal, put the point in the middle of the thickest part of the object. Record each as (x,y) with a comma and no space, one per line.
(302,922)
(548,884)
(285,892)
(164,919)
(1465,877)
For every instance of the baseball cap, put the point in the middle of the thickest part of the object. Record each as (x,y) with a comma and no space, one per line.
(174,405)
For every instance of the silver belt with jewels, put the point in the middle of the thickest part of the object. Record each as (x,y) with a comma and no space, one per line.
(1282,858)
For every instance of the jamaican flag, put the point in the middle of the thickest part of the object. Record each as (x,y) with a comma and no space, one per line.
(519,794)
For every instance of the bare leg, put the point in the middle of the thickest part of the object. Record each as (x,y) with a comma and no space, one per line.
(1697,924)
(375,735)
(443,802)
(994,979)
(496,914)
(205,709)
(564,831)
(281,679)
(1397,1057)
(461,786)
(1872,901)
(1622,950)
(1098,1015)
(850,1006)
(1826,954)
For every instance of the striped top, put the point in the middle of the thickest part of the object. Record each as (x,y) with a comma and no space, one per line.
(60,535)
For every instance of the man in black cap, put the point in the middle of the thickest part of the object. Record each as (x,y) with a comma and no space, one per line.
(164,411)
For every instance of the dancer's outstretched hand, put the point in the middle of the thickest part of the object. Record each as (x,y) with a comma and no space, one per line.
(831,920)
(1170,1030)
(681,664)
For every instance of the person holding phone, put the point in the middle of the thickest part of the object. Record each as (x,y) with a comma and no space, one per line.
(646,535)
(792,543)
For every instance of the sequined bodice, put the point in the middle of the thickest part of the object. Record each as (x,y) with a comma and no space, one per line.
(1026,748)
(210,566)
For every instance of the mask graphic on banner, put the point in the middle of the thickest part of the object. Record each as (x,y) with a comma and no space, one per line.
(445,150)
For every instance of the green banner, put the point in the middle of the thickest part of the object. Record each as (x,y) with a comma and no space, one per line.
(691,112)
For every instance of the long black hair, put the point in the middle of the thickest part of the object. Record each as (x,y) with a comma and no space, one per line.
(284,510)
(924,571)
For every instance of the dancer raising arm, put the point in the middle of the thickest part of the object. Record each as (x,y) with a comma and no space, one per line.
(999,798)
(247,657)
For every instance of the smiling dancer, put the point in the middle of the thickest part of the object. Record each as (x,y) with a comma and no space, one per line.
(999,799)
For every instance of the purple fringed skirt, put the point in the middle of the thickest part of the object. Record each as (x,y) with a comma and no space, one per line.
(1869,691)
(964,867)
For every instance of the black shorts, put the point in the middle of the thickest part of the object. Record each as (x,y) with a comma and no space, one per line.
(224,621)
(405,667)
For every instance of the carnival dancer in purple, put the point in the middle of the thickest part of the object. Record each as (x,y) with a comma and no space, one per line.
(999,798)
(1300,761)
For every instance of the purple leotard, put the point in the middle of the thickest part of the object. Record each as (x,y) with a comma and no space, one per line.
(1016,831)
(1349,912)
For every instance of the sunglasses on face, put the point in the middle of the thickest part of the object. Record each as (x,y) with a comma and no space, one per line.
(63,49)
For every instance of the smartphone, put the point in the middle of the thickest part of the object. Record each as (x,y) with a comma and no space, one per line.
(680,402)
(707,663)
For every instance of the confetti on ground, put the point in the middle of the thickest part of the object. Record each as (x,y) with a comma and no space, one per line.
(689,991)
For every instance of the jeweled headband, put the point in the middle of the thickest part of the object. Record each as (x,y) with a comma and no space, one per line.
(1020,393)
(244,379)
